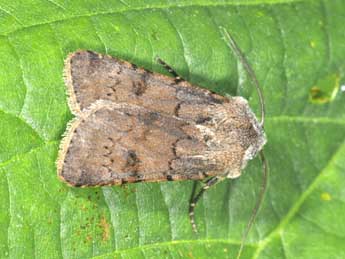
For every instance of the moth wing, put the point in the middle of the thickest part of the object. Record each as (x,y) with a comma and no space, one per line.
(116,143)
(92,76)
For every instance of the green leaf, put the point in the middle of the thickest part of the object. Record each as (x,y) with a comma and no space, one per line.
(293,46)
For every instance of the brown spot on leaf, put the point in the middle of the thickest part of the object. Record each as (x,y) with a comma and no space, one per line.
(105,227)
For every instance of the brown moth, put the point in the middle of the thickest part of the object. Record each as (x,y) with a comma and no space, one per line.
(133,125)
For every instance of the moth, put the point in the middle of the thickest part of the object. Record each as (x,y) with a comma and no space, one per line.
(132,125)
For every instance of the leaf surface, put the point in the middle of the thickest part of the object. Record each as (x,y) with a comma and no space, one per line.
(297,50)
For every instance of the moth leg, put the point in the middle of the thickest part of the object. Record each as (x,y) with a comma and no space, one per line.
(195,184)
(170,70)
(195,198)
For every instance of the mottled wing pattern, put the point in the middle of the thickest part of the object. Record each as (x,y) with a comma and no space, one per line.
(117,143)
(92,76)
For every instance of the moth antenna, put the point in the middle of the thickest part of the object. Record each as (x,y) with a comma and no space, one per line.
(233,45)
(258,202)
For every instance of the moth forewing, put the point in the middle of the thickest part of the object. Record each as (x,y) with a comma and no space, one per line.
(114,143)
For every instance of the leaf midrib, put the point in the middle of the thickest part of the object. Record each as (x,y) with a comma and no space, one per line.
(144,8)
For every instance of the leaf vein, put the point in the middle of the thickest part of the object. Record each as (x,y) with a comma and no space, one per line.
(30,151)
(154,7)
(281,35)
(295,208)
(172,243)
(182,42)
(12,15)
(97,34)
(57,4)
